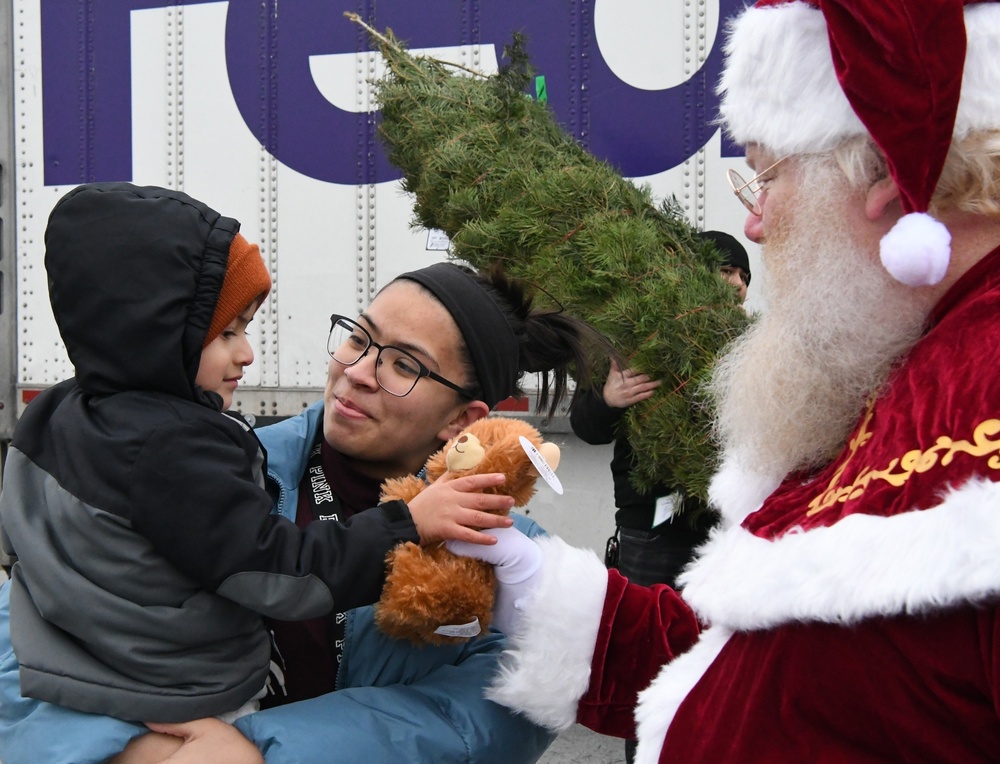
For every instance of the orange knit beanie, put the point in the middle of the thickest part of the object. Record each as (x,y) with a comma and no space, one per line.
(247,279)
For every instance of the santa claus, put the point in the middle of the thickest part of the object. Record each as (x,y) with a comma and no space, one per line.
(847,609)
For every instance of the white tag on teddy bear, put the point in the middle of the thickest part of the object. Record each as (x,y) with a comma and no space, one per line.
(547,473)
(470,629)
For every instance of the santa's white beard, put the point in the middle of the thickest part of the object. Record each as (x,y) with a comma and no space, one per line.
(791,389)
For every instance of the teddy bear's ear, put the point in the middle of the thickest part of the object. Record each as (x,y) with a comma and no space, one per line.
(550,453)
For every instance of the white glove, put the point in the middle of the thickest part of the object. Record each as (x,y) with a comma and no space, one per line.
(517,562)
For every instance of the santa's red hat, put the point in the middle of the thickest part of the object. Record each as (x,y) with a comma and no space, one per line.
(803,75)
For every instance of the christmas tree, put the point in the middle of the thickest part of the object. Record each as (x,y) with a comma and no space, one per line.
(492,168)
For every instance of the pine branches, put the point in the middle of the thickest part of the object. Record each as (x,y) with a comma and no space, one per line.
(492,168)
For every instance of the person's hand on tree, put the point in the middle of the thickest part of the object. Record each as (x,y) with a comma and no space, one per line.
(455,508)
(195,742)
(625,388)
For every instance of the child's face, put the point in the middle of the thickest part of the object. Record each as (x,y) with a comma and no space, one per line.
(223,359)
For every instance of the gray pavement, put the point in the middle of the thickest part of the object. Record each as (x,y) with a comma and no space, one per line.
(584,515)
(578,745)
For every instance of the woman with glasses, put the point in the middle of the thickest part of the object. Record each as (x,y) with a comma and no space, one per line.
(437,349)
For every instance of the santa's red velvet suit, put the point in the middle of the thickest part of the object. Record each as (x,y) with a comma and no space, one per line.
(852,617)
(849,615)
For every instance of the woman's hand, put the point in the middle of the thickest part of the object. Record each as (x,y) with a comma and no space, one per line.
(148,749)
(195,742)
(455,508)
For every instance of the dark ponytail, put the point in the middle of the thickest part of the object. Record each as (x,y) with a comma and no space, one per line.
(552,344)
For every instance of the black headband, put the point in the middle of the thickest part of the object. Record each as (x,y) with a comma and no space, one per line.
(485,329)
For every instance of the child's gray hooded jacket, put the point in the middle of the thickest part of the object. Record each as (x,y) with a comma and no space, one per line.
(136,510)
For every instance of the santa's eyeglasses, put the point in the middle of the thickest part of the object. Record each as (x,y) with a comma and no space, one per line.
(747,190)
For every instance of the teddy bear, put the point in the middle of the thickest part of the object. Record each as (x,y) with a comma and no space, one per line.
(432,596)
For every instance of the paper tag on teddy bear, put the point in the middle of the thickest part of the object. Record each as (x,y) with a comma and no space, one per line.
(470,629)
(547,473)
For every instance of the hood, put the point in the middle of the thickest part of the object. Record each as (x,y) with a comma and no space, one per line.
(134,274)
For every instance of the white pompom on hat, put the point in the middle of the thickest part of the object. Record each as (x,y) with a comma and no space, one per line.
(801,76)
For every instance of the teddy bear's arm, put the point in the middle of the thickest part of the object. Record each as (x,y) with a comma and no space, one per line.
(404,488)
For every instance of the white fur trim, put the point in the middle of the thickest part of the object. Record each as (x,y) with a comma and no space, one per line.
(548,670)
(659,702)
(736,491)
(979,104)
(862,566)
(779,88)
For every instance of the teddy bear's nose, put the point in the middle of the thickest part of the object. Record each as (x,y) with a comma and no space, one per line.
(465,453)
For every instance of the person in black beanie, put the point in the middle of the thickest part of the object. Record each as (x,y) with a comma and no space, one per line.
(735,262)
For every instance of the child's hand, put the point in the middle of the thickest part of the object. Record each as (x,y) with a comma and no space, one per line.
(455,509)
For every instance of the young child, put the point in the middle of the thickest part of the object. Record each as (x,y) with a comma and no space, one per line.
(146,549)
(152,292)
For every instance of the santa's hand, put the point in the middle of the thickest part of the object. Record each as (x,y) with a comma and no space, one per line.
(517,562)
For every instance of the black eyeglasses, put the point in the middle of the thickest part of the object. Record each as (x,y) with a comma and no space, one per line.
(396,371)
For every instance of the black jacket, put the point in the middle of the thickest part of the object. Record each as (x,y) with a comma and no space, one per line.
(145,541)
(597,423)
